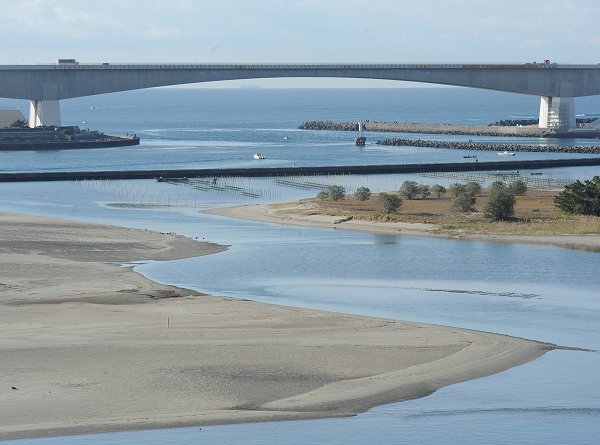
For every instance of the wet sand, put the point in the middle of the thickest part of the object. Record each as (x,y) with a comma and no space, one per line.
(90,346)
(294,213)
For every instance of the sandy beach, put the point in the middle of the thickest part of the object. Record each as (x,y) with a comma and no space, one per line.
(89,346)
(294,213)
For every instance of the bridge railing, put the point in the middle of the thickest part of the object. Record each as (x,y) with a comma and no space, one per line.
(293,66)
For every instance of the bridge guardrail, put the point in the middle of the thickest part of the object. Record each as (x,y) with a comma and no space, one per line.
(299,66)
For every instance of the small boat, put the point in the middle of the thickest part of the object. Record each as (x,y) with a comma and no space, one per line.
(506,153)
(286,138)
(469,156)
(258,156)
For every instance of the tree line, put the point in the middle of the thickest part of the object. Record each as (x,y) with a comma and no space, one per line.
(500,204)
(579,197)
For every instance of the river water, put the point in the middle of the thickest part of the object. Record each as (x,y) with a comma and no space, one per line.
(543,293)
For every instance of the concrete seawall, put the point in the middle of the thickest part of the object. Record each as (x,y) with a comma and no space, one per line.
(302,171)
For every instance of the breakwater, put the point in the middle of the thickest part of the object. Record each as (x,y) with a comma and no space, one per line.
(457,145)
(110,141)
(460,130)
(59,138)
(258,172)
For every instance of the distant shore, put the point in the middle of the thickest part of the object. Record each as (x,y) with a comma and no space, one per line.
(88,346)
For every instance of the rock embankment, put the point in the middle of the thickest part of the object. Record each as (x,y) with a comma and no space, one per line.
(587,149)
(525,122)
(329,125)
(461,130)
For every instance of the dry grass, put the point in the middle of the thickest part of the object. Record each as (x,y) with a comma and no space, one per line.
(535,214)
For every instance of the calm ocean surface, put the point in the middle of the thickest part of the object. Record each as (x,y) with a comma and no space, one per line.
(543,293)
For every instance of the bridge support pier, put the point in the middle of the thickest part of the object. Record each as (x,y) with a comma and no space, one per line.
(557,113)
(44,112)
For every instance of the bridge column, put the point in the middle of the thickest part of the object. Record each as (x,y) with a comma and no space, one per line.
(557,113)
(44,112)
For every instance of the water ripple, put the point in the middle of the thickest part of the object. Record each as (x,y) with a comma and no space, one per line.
(484,293)
(554,411)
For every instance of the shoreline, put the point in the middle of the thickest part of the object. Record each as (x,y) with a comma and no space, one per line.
(287,214)
(91,347)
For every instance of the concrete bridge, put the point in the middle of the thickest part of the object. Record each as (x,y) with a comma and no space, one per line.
(46,85)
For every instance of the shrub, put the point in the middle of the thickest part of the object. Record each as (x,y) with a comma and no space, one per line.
(362,193)
(323,195)
(518,187)
(497,185)
(19,123)
(456,189)
(473,187)
(580,197)
(336,192)
(464,202)
(409,189)
(423,191)
(500,204)
(388,203)
(438,190)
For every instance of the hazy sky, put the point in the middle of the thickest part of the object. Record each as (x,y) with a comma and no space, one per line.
(39,31)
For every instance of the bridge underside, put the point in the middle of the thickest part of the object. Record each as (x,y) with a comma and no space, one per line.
(46,85)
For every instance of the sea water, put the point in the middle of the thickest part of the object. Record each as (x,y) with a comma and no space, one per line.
(223,128)
(543,293)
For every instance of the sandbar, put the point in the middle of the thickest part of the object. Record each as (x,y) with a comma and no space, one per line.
(294,213)
(89,346)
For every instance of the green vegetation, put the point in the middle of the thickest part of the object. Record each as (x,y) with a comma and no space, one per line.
(464,195)
(500,205)
(456,189)
(323,195)
(500,211)
(362,193)
(333,192)
(472,187)
(409,189)
(388,203)
(424,191)
(580,198)
(19,123)
(518,187)
(438,190)
(465,201)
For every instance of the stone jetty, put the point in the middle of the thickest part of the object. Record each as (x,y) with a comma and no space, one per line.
(498,147)
(461,130)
